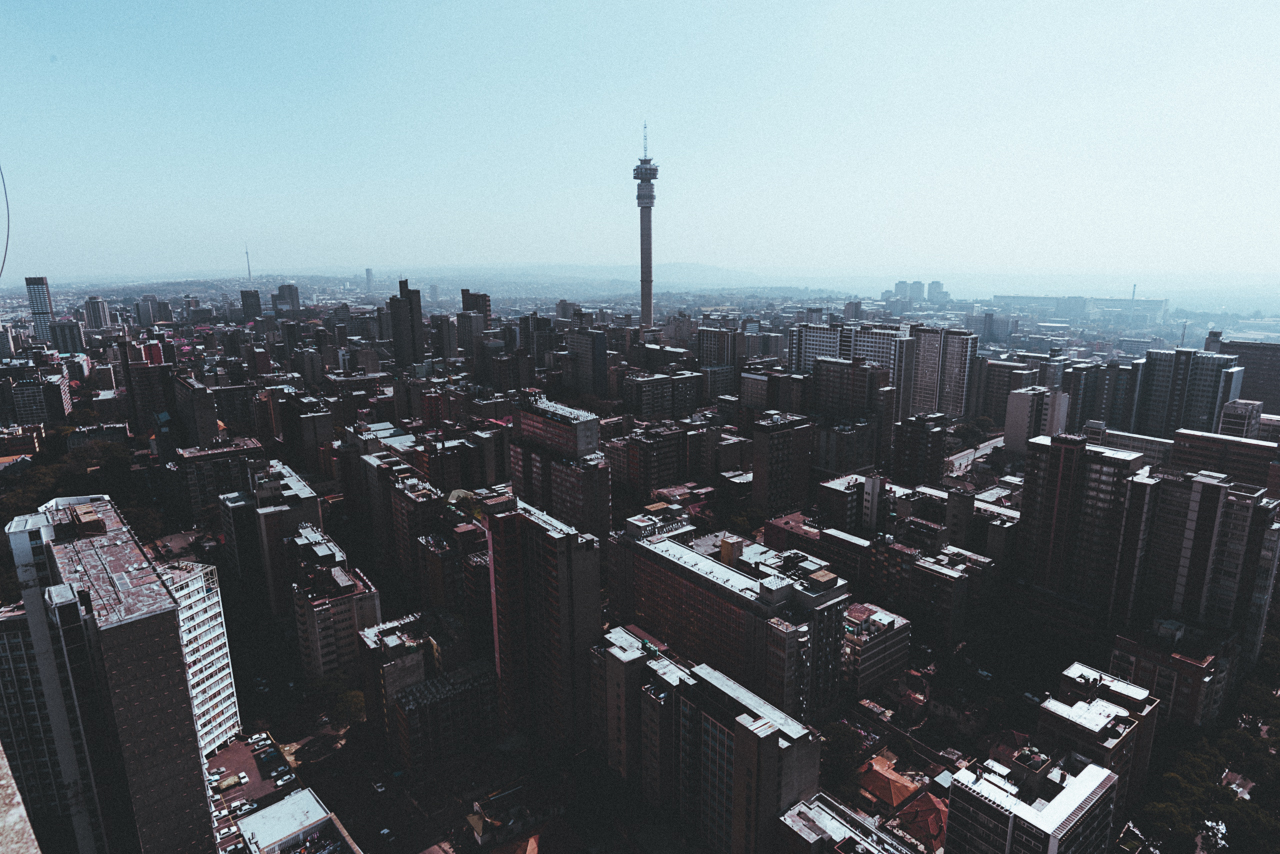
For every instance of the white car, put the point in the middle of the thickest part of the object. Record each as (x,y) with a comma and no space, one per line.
(286,780)
(220,814)
(244,779)
(225,832)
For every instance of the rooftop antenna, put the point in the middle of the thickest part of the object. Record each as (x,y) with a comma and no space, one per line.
(246,262)
(1184,333)
(646,140)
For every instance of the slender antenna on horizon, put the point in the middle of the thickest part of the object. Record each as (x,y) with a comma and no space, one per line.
(246,262)
(646,140)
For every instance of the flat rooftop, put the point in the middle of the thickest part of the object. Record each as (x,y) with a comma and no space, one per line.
(758,708)
(709,568)
(301,810)
(96,552)
(1054,817)
(558,411)
(1084,673)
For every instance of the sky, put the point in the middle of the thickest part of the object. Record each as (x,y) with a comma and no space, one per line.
(910,140)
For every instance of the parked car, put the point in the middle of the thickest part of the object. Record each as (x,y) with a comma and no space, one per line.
(286,780)
(225,832)
(244,779)
(246,808)
(220,814)
(218,771)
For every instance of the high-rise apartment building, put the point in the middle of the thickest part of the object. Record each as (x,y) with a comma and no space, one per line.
(1033,411)
(1241,418)
(1212,546)
(810,341)
(1251,461)
(993,381)
(332,605)
(545,588)
(782,452)
(717,347)
(477,302)
(1261,363)
(556,465)
(892,347)
(1108,721)
(920,449)
(943,361)
(67,336)
(96,313)
(1185,388)
(130,681)
(286,298)
(251,305)
(41,305)
(589,361)
(1073,516)
(700,744)
(877,647)
(773,621)
(407,336)
(1068,810)
(258,525)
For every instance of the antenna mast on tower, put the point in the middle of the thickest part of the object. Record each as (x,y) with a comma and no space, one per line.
(246,262)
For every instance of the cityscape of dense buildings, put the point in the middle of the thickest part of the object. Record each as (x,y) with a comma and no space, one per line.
(884,573)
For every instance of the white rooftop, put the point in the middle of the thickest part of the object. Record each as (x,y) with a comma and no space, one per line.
(1055,817)
(298,811)
(1093,716)
(1080,671)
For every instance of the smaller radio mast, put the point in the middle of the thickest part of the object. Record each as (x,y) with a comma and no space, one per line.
(246,262)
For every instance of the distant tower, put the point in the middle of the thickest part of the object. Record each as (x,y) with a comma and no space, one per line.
(41,306)
(645,173)
(368,278)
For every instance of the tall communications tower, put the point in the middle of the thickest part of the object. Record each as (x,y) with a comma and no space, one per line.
(645,173)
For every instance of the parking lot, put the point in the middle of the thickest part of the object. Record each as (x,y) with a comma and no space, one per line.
(263,767)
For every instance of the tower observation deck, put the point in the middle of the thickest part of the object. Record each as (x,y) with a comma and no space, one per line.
(646,173)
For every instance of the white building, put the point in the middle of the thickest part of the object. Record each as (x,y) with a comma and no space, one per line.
(205,650)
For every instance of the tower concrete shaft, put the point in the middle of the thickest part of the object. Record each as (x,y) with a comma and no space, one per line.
(646,173)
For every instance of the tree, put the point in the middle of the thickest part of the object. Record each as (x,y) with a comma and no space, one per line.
(349,708)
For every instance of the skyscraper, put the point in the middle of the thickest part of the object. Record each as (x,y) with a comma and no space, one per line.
(944,359)
(96,314)
(251,304)
(545,589)
(126,675)
(556,464)
(368,277)
(645,173)
(1185,388)
(42,305)
(1073,518)
(478,303)
(782,453)
(407,338)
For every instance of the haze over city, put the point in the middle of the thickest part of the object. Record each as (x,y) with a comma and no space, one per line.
(1120,143)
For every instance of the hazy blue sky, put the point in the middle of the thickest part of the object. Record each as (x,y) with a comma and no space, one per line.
(913,140)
